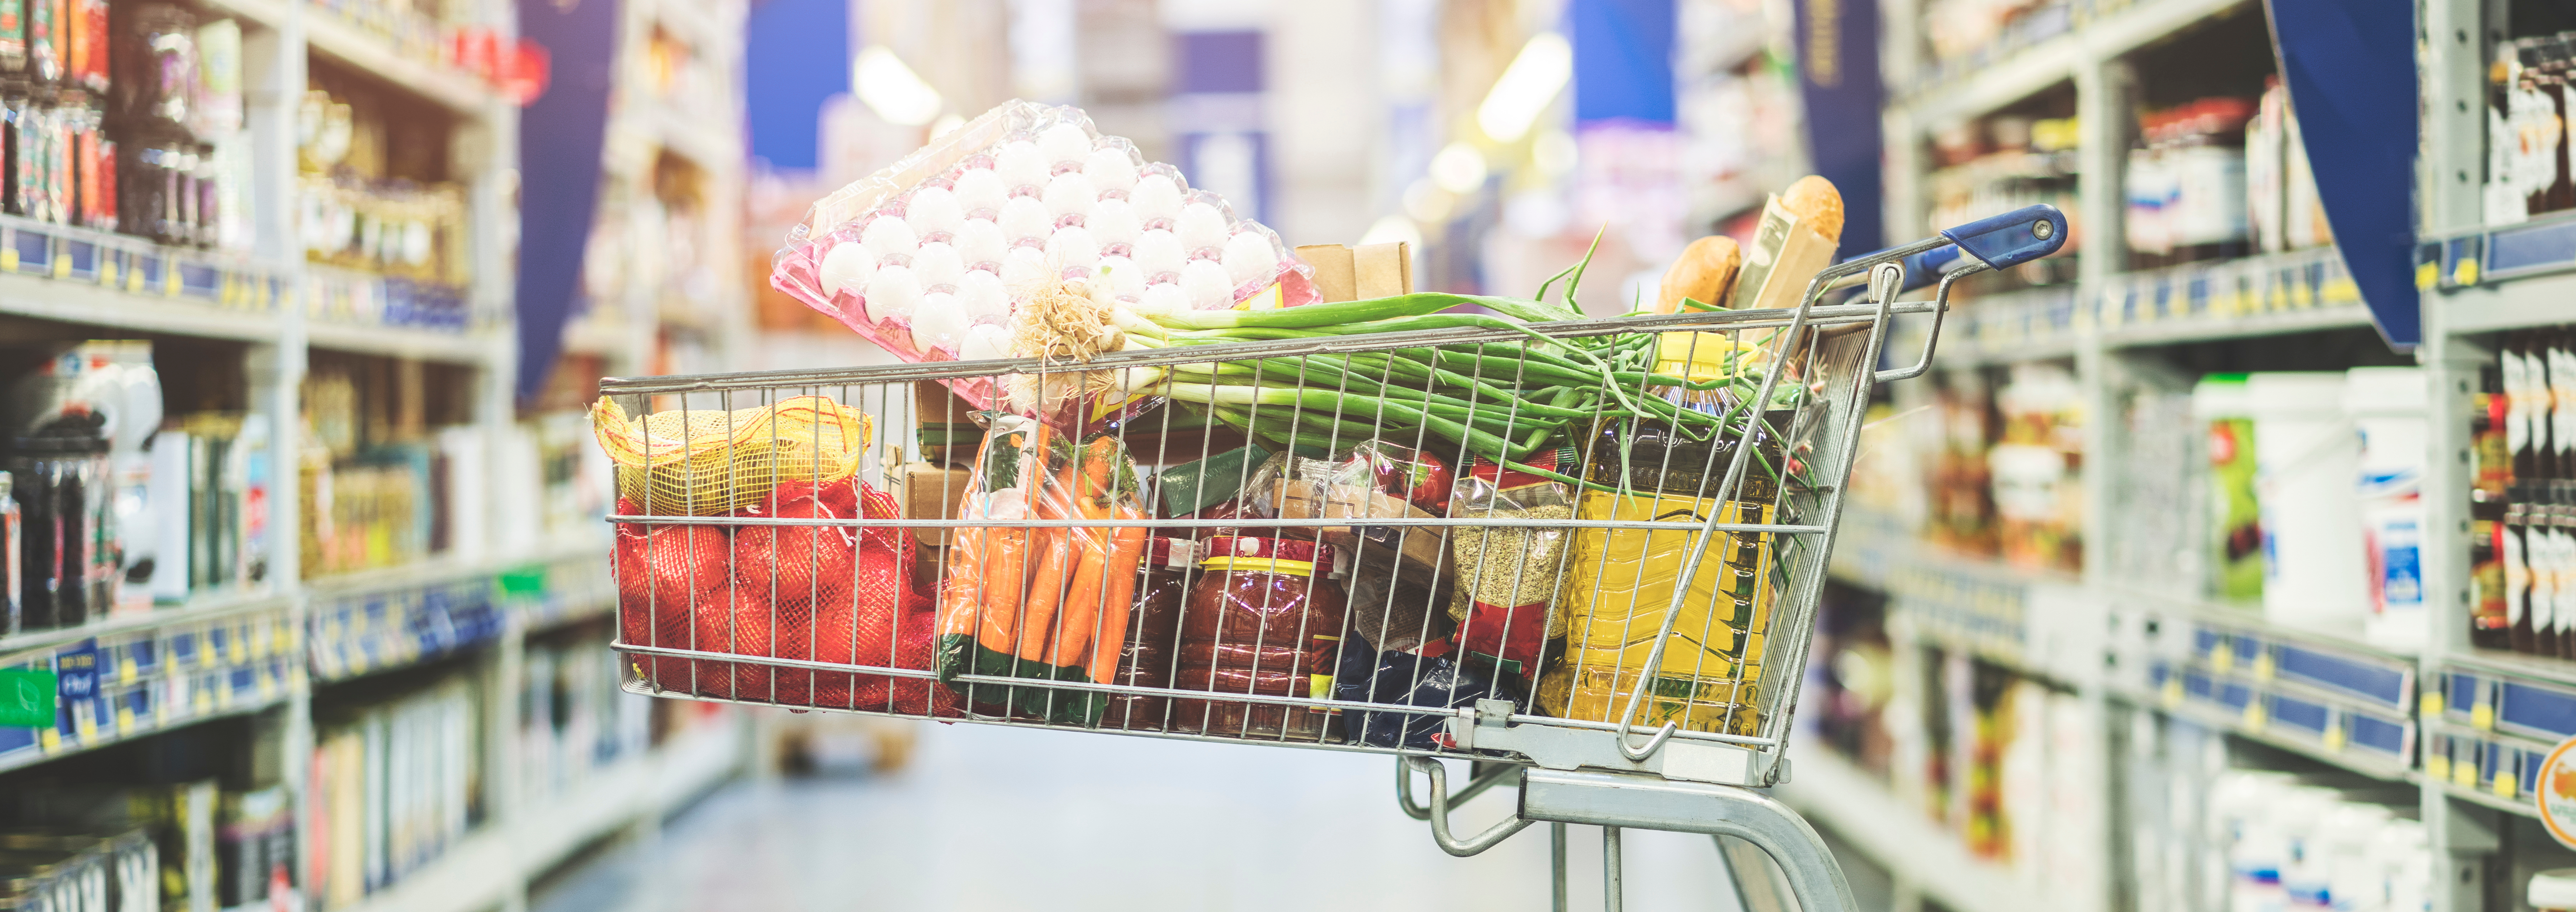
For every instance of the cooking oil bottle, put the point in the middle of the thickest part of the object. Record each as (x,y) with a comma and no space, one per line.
(1622,580)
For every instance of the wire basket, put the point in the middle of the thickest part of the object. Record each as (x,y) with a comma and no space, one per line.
(1256,541)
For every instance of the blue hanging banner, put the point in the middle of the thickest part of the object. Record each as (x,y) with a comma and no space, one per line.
(2350,68)
(1837,51)
(561,138)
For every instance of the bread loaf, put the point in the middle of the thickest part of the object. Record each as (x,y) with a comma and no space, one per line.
(1817,205)
(1703,273)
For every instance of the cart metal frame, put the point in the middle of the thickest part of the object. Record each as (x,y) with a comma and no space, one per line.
(1567,771)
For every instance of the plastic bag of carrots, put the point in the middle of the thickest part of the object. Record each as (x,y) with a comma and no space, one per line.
(1044,603)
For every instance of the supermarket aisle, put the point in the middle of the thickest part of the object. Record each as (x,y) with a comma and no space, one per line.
(991,818)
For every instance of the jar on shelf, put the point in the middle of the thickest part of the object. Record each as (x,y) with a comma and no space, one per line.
(1265,618)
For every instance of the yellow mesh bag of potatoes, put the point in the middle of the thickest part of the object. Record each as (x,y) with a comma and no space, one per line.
(704,462)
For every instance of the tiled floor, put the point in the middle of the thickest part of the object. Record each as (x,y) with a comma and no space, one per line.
(994,818)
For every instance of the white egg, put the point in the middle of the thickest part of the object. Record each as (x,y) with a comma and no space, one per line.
(1020,165)
(1064,142)
(1110,170)
(1072,247)
(1159,253)
(1166,298)
(887,236)
(1024,267)
(933,210)
(1204,281)
(1156,197)
(1113,221)
(942,321)
(848,266)
(980,190)
(1070,193)
(1025,217)
(983,298)
(893,293)
(1124,278)
(937,264)
(1201,227)
(985,342)
(981,241)
(1248,257)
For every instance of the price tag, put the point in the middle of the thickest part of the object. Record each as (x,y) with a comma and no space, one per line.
(50,739)
(125,720)
(134,280)
(2503,786)
(107,272)
(2173,691)
(126,673)
(260,635)
(204,702)
(267,687)
(2482,717)
(2466,273)
(2426,275)
(85,723)
(2254,715)
(62,265)
(2465,775)
(239,650)
(2430,704)
(9,258)
(2333,736)
(2222,657)
(169,280)
(2437,766)
(2262,670)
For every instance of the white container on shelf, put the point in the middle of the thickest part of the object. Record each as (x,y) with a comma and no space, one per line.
(2387,406)
(2306,457)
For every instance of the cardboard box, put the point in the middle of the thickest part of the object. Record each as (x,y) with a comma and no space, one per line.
(1358,274)
(933,492)
(946,430)
(1418,555)
(928,561)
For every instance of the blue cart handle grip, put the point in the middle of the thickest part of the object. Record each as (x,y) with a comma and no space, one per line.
(2013,238)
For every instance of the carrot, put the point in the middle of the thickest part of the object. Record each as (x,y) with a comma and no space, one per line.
(1046,592)
(1007,561)
(1081,606)
(1126,551)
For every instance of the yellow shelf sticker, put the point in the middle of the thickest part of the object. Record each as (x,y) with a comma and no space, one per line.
(204,701)
(134,280)
(50,739)
(2482,717)
(2427,275)
(2437,766)
(2465,775)
(2173,691)
(2466,273)
(2222,657)
(107,272)
(2254,717)
(2503,784)
(2430,704)
(62,266)
(125,670)
(2333,736)
(125,721)
(2263,665)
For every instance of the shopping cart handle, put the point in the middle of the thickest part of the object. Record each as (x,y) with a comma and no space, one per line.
(2013,238)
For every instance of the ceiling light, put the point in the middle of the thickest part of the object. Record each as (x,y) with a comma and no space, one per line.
(1526,88)
(892,89)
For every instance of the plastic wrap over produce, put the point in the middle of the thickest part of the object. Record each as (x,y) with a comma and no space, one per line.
(930,257)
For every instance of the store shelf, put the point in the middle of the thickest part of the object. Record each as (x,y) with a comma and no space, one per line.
(493,866)
(352,47)
(427,345)
(198,610)
(2392,761)
(2017,74)
(2495,306)
(2250,297)
(121,683)
(377,621)
(1860,810)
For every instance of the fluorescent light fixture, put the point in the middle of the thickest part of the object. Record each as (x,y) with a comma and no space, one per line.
(892,89)
(1526,88)
(1459,169)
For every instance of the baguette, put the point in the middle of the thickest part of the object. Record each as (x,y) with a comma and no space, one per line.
(1704,273)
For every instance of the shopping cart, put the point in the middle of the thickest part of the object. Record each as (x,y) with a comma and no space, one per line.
(1625,602)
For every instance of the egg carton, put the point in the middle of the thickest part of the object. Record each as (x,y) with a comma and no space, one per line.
(929,257)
